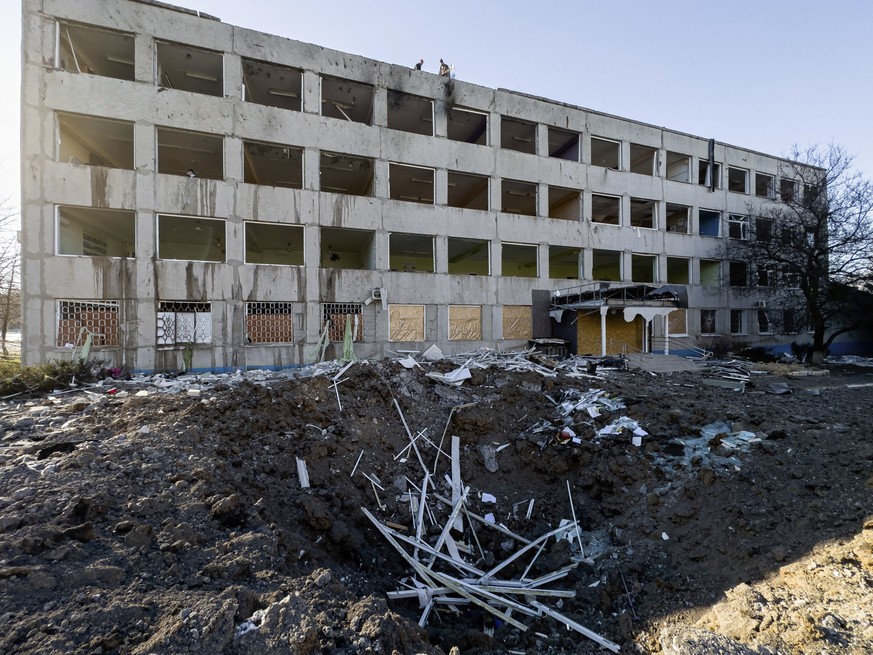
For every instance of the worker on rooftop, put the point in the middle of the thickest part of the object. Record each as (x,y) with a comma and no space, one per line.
(444,69)
(419,64)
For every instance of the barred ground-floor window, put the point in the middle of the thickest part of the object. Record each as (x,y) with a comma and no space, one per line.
(340,316)
(181,322)
(269,322)
(78,318)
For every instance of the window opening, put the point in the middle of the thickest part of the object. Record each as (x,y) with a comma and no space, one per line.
(678,218)
(183,322)
(345,248)
(764,186)
(195,154)
(273,243)
(406,322)
(338,317)
(708,321)
(763,322)
(411,253)
(467,191)
(605,209)
(411,183)
(273,164)
(642,213)
(564,203)
(517,135)
(710,222)
(272,85)
(738,180)
(643,159)
(469,257)
(518,197)
(519,260)
(605,153)
(678,270)
(346,174)
(186,68)
(710,272)
(95,232)
(95,50)
(95,141)
(410,113)
(269,322)
(564,262)
(644,268)
(467,126)
(763,229)
(346,100)
(606,265)
(465,322)
(739,274)
(765,275)
(709,176)
(678,167)
(191,238)
(738,226)
(738,321)
(78,318)
(787,190)
(563,144)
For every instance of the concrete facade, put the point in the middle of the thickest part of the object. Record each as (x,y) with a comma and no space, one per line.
(399,250)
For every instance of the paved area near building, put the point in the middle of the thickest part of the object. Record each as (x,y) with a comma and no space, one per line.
(663,363)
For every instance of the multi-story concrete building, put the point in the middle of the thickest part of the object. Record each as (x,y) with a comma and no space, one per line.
(191,184)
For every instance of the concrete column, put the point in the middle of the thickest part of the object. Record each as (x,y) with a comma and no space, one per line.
(542,144)
(380,107)
(311,169)
(382,251)
(381,180)
(440,119)
(494,129)
(441,187)
(542,200)
(624,219)
(626,266)
(495,187)
(543,261)
(144,59)
(603,310)
(625,155)
(587,264)
(441,254)
(496,262)
(233,159)
(311,93)
(233,75)
(145,151)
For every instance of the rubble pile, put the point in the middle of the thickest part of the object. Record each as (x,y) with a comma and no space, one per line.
(520,505)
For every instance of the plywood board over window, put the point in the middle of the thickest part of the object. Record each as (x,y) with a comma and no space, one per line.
(516,322)
(406,323)
(678,321)
(465,322)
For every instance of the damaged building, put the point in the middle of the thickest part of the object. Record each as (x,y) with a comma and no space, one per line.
(192,188)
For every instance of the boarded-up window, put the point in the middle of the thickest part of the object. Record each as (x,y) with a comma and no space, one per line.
(341,314)
(406,323)
(516,322)
(76,318)
(465,322)
(269,322)
(678,322)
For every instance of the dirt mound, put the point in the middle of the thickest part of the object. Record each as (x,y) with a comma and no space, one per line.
(173,519)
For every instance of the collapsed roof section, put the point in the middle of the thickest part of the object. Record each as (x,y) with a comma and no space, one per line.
(605,294)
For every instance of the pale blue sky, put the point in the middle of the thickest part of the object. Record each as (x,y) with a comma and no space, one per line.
(761,74)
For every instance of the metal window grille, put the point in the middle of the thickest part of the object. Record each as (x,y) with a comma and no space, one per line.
(335,313)
(78,317)
(707,321)
(269,322)
(181,322)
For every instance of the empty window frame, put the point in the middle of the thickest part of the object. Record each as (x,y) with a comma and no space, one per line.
(738,275)
(738,226)
(764,186)
(341,318)
(269,322)
(643,159)
(765,275)
(605,153)
(678,270)
(564,204)
(518,135)
(563,144)
(467,191)
(95,232)
(180,323)
(763,229)
(79,318)
(272,164)
(346,100)
(410,253)
(469,256)
(709,176)
(677,322)
(95,50)
(346,174)
(678,167)
(191,238)
(788,190)
(764,322)
(519,260)
(565,262)
(791,321)
(95,141)
(345,248)
(738,321)
(518,197)
(409,113)
(272,85)
(406,323)
(273,243)
(709,222)
(195,154)
(710,272)
(644,268)
(708,321)
(465,322)
(605,209)
(517,323)
(467,126)
(606,265)
(411,183)
(678,218)
(738,180)
(642,213)
(186,68)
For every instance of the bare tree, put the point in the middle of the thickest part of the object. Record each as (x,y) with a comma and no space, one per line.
(812,248)
(9,273)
